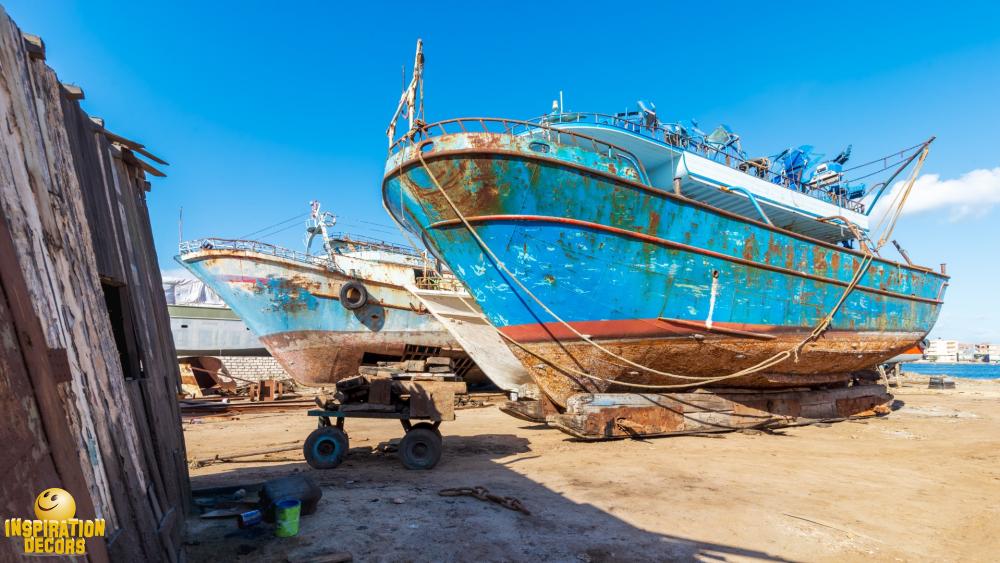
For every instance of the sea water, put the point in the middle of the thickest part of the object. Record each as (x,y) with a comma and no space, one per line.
(969,371)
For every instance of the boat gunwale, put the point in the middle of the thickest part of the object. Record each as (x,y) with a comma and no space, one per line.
(435,154)
(201,255)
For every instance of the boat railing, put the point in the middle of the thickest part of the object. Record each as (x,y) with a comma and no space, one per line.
(199,245)
(515,127)
(440,283)
(670,134)
(368,243)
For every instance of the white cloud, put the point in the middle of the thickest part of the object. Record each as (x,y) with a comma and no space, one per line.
(973,194)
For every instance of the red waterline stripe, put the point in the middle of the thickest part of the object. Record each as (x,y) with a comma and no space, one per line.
(240,279)
(625,328)
(638,328)
(671,244)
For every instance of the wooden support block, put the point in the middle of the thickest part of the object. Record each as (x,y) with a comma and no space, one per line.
(415,365)
(438,361)
(380,392)
(599,416)
(425,376)
(439,369)
(415,387)
(368,370)
(351,383)
(435,404)
(269,390)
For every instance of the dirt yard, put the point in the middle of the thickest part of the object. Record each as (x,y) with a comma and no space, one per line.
(920,484)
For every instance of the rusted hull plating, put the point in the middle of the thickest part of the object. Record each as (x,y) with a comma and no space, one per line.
(830,360)
(319,357)
(295,310)
(659,279)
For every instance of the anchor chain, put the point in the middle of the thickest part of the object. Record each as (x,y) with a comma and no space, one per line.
(482,493)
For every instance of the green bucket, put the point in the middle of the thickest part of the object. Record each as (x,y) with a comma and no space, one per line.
(286,515)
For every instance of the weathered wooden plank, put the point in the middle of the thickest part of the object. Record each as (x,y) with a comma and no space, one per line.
(75,212)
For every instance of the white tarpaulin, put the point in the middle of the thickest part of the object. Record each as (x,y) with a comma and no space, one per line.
(185,291)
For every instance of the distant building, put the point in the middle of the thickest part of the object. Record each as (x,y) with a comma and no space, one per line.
(202,325)
(940,350)
(988,352)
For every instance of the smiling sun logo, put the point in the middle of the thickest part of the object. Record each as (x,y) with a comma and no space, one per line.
(55,530)
(55,504)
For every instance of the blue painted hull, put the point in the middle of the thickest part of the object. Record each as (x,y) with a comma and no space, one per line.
(294,309)
(632,266)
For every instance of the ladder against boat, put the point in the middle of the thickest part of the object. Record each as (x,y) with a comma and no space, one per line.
(603,416)
(464,320)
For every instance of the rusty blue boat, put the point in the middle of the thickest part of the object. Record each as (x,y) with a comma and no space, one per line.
(292,302)
(321,315)
(357,302)
(617,253)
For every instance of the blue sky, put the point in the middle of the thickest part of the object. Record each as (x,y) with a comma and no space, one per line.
(261,107)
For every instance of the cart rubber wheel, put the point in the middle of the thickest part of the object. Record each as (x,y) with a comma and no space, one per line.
(432,426)
(420,448)
(325,448)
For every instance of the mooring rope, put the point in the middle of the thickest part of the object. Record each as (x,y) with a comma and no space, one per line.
(896,207)
(777,358)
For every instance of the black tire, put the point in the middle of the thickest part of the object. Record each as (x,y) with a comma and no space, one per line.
(420,448)
(326,447)
(353,295)
(428,425)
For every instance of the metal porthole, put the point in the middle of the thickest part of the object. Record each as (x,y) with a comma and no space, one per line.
(353,295)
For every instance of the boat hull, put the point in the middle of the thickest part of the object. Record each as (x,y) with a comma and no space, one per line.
(656,279)
(294,309)
(201,331)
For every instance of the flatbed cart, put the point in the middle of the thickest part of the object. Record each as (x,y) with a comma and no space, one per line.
(421,410)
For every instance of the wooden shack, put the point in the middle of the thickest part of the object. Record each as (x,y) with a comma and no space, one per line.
(88,377)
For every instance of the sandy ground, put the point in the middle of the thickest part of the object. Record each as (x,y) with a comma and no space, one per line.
(920,484)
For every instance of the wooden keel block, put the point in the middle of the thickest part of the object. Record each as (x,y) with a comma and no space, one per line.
(603,416)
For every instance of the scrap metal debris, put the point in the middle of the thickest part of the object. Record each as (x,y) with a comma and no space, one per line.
(482,493)
(219,458)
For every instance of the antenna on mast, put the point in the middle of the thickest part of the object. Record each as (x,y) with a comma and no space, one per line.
(412,99)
